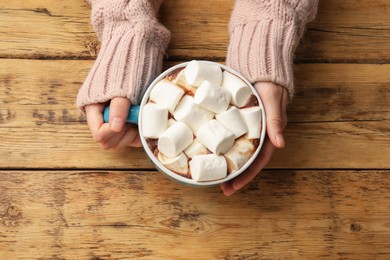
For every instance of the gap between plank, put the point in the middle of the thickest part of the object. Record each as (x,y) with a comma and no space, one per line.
(97,170)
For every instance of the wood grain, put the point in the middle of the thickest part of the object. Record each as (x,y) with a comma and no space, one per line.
(324,92)
(143,215)
(347,31)
(61,197)
(309,145)
(40,126)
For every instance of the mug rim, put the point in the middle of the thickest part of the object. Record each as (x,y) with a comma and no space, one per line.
(175,176)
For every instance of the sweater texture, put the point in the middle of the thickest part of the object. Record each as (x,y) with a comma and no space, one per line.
(263,38)
(133,44)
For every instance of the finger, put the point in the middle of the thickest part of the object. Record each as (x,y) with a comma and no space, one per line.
(271,96)
(127,138)
(94,118)
(256,167)
(227,188)
(285,101)
(113,141)
(136,142)
(105,133)
(119,109)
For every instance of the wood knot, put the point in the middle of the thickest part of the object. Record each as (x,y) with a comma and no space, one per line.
(14,213)
(11,216)
(355,227)
(42,11)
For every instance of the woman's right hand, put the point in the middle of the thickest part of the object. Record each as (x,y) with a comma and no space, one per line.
(115,135)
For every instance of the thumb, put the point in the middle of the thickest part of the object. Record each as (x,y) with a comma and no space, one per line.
(275,126)
(119,109)
(272,97)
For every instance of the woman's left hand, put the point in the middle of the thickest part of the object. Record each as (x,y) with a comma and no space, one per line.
(275,99)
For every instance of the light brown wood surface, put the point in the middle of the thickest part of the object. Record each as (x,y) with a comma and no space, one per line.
(40,120)
(127,215)
(325,196)
(344,31)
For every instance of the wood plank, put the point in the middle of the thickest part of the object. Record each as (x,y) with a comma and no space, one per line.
(344,31)
(356,145)
(347,32)
(40,126)
(46,29)
(122,215)
(332,92)
(324,92)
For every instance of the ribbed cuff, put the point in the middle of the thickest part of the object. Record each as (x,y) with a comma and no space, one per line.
(263,51)
(129,59)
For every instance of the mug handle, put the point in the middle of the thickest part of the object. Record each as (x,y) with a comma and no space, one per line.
(131,118)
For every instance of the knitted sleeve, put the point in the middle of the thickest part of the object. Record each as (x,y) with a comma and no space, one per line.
(133,44)
(264,35)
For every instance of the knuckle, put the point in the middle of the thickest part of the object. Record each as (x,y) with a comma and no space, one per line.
(117,148)
(98,138)
(276,121)
(120,101)
(105,146)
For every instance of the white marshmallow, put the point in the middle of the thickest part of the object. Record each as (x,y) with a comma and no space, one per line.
(208,167)
(232,120)
(215,137)
(154,120)
(212,97)
(171,121)
(181,81)
(240,153)
(196,72)
(195,148)
(252,118)
(178,164)
(166,94)
(192,114)
(175,139)
(239,90)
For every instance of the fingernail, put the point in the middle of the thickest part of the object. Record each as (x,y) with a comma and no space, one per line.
(117,124)
(280,140)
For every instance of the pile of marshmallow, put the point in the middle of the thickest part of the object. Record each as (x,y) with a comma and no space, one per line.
(201,118)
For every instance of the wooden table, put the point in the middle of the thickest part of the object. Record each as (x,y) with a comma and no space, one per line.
(325,196)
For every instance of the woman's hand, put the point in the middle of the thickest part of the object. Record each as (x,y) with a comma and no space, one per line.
(275,100)
(115,135)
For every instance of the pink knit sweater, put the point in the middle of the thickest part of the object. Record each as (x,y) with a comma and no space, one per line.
(263,37)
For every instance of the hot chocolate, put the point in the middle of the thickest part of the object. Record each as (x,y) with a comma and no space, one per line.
(202,122)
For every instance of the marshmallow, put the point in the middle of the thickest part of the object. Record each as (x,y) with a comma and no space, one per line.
(208,167)
(239,90)
(171,121)
(212,97)
(196,72)
(252,118)
(232,120)
(175,139)
(166,94)
(192,114)
(178,164)
(240,153)
(215,137)
(154,120)
(181,81)
(195,148)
